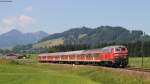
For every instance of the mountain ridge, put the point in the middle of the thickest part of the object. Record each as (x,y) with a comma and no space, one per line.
(92,36)
(15,37)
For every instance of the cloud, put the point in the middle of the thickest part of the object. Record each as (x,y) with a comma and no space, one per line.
(25,20)
(21,22)
(7,24)
(28,8)
(8,21)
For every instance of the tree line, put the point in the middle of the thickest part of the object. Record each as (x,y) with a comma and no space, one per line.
(136,49)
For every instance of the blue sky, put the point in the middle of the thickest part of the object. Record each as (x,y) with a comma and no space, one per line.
(55,16)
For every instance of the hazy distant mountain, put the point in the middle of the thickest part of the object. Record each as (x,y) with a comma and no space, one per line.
(15,37)
(84,35)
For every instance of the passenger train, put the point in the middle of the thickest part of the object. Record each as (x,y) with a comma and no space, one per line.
(116,56)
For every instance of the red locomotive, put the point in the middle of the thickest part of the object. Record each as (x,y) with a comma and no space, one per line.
(112,55)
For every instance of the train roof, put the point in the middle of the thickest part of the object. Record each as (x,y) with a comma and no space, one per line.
(114,46)
(91,51)
(73,52)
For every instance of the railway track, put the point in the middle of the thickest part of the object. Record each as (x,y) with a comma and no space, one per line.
(127,68)
(138,69)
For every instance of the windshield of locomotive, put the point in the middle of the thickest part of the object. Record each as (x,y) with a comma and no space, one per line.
(120,49)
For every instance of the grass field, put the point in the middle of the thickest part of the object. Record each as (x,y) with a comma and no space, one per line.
(49,43)
(137,62)
(12,72)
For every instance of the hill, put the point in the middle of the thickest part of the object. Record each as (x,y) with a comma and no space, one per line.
(84,35)
(15,37)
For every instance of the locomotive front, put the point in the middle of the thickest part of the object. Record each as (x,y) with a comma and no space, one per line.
(120,56)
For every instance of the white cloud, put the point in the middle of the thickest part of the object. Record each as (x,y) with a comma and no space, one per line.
(25,21)
(8,21)
(7,24)
(28,8)
(22,22)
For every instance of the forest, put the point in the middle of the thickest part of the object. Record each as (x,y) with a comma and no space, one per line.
(136,49)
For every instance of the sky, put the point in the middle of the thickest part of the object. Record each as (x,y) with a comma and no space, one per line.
(54,16)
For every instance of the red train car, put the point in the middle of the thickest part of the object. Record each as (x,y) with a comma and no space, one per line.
(112,55)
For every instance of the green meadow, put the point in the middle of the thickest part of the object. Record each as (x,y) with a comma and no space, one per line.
(137,62)
(32,72)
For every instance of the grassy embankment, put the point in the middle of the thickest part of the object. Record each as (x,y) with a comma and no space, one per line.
(30,72)
(137,62)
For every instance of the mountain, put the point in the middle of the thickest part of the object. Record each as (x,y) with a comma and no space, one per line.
(15,37)
(92,36)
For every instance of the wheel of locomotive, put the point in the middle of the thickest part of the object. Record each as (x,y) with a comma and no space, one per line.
(123,65)
(116,65)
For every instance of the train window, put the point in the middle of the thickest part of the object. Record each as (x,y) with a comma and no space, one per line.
(89,56)
(49,57)
(123,49)
(56,57)
(63,57)
(117,49)
(86,56)
(78,56)
(95,55)
(44,57)
(71,56)
(82,56)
